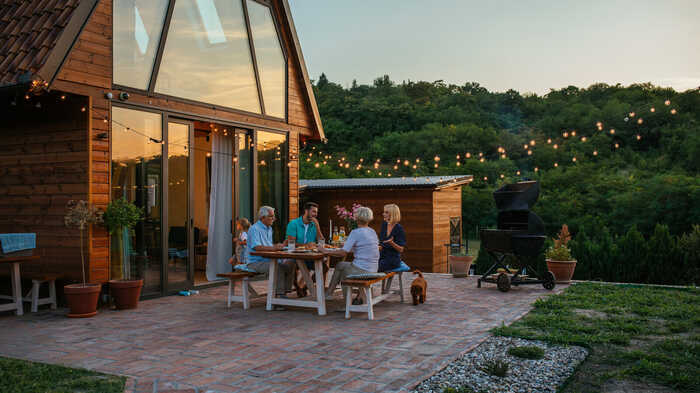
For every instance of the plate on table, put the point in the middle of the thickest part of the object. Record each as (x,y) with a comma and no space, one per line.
(302,251)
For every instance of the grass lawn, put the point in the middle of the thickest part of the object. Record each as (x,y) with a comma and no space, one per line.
(638,336)
(20,376)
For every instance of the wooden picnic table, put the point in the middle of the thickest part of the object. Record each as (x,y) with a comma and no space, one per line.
(16,281)
(317,298)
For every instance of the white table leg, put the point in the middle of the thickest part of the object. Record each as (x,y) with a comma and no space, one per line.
(320,295)
(271,283)
(17,288)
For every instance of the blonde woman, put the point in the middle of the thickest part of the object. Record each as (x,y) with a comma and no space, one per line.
(392,239)
(364,245)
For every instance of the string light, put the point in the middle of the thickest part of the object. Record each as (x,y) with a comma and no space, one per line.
(617,145)
(652,110)
(529,152)
(532,142)
(436,158)
(316,165)
(565,134)
(556,164)
(612,131)
(486,178)
(525,146)
(468,155)
(673,111)
(482,159)
(436,165)
(583,139)
(549,140)
(458,163)
(573,159)
(517,173)
(555,146)
(595,152)
(667,102)
(406,163)
(502,176)
(573,133)
(503,156)
(640,120)
(537,169)
(639,137)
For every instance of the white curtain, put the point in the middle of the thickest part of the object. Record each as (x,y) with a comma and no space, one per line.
(219,246)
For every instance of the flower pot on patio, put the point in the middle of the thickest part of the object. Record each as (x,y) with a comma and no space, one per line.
(82,299)
(460,264)
(562,270)
(126,293)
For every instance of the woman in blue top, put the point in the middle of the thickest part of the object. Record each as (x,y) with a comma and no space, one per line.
(392,239)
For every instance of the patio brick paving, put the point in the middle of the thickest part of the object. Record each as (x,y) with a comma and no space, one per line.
(196,344)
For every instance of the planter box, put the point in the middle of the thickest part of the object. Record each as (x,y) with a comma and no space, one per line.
(460,264)
(562,270)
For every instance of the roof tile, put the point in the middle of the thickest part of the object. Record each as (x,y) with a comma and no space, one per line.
(29,30)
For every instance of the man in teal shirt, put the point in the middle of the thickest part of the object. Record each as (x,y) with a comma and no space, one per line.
(305,230)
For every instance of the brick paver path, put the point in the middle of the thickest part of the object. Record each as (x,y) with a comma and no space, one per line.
(195,344)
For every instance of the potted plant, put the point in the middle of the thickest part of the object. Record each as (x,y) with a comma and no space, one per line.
(82,298)
(460,263)
(559,260)
(119,218)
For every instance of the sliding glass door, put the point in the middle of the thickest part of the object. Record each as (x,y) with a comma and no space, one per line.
(179,272)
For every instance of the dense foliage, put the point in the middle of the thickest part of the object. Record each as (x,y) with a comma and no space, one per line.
(642,182)
(614,162)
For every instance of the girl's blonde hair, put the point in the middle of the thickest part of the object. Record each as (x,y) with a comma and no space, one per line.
(394,213)
(245,224)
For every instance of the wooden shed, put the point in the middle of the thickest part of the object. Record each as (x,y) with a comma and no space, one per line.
(431,210)
(192,110)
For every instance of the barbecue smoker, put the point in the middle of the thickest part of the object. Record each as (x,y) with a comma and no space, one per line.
(518,240)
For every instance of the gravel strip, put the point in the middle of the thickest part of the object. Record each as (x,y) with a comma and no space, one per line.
(543,375)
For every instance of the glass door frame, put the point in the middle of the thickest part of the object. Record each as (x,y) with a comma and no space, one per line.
(166,287)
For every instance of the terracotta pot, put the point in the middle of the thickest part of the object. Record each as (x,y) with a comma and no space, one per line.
(460,264)
(126,293)
(562,270)
(82,299)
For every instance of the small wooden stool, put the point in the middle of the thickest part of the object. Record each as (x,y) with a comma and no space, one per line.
(247,290)
(365,288)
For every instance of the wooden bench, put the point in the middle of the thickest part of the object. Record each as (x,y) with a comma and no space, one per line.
(365,288)
(33,295)
(247,290)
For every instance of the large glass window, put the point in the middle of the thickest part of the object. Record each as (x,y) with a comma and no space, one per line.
(272,177)
(207,55)
(137,28)
(136,175)
(269,56)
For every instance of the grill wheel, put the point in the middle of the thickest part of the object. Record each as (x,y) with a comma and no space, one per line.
(549,282)
(503,282)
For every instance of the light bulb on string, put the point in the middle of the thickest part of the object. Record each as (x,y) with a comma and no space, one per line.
(667,102)
(325,162)
(573,159)
(632,114)
(316,165)
(502,176)
(583,139)
(82,109)
(599,124)
(347,165)
(526,146)
(529,152)
(673,111)
(486,178)
(612,131)
(556,164)
(63,97)
(481,154)
(503,156)
(595,152)
(436,158)
(617,145)
(537,169)
(532,142)
(640,121)
(468,155)
(549,140)
(639,137)
(406,163)
(555,146)
(517,173)
(396,167)
(482,159)
(458,163)
(436,165)
(565,134)
(417,160)
(414,166)
(458,156)
(652,110)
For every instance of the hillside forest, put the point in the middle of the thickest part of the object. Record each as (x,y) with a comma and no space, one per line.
(615,163)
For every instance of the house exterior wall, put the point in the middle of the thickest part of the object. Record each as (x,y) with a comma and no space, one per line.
(447,203)
(87,71)
(44,163)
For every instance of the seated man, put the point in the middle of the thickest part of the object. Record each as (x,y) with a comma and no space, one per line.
(305,231)
(260,239)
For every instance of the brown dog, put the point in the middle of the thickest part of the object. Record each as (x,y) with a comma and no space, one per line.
(419,288)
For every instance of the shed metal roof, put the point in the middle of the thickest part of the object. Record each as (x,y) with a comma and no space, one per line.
(387,182)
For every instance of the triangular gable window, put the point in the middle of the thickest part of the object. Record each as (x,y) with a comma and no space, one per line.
(270,58)
(137,28)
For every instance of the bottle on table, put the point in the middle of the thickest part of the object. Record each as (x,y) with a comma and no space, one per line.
(341,235)
(335,236)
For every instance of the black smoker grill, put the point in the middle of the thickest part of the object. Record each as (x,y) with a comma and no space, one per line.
(518,239)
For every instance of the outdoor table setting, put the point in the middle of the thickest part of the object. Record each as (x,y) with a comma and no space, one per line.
(317,298)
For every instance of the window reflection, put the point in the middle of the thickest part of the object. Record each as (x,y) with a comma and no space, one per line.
(270,58)
(137,28)
(272,177)
(207,55)
(136,176)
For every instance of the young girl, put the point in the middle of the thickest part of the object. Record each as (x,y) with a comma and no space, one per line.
(242,226)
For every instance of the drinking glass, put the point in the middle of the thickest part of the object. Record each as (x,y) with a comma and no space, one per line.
(321,243)
(290,245)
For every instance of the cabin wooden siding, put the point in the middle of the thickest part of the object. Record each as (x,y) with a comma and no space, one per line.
(43,165)
(87,71)
(447,203)
(419,216)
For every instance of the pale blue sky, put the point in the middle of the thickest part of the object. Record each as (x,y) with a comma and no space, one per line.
(527,45)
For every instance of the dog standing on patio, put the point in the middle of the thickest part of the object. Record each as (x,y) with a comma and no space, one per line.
(419,288)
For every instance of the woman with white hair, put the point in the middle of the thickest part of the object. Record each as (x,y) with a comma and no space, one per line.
(364,245)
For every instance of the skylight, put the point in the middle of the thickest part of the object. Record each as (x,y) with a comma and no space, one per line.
(212,23)
(140,32)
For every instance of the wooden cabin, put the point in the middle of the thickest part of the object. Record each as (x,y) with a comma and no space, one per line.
(431,211)
(191,110)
